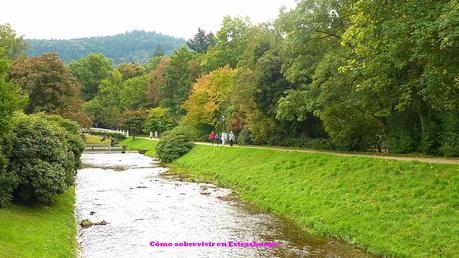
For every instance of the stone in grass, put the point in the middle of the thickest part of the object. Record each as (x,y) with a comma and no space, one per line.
(86,223)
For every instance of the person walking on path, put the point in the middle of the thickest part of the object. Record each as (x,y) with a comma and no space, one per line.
(217,138)
(232,138)
(212,137)
(151,135)
(224,138)
(156,135)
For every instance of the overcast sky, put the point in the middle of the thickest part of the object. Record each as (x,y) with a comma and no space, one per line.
(64,19)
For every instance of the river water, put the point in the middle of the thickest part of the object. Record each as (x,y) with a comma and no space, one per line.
(142,208)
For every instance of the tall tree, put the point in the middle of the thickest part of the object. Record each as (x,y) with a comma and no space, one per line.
(157,78)
(181,73)
(231,42)
(12,45)
(201,42)
(10,101)
(49,85)
(90,71)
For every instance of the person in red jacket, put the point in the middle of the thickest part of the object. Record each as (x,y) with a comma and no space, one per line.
(212,137)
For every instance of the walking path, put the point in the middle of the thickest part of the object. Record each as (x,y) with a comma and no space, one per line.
(438,160)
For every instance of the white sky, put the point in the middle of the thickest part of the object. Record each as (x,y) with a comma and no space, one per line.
(64,19)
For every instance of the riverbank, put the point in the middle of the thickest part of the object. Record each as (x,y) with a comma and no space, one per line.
(44,231)
(389,207)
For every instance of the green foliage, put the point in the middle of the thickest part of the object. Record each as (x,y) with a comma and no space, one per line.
(243,137)
(134,120)
(13,45)
(201,41)
(134,46)
(90,71)
(450,134)
(49,85)
(131,70)
(45,157)
(173,144)
(181,73)
(231,41)
(115,135)
(10,101)
(159,120)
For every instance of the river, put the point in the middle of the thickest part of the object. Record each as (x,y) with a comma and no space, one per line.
(140,209)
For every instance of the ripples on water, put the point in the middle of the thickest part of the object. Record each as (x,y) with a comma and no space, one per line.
(140,206)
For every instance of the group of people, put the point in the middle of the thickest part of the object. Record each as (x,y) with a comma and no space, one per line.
(155,135)
(223,138)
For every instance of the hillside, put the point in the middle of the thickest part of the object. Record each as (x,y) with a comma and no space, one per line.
(133,46)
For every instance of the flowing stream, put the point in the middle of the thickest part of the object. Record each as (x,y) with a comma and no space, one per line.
(135,208)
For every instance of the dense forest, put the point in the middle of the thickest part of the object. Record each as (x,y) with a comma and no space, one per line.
(134,46)
(329,74)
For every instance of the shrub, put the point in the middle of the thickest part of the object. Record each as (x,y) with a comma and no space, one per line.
(307,143)
(45,157)
(173,144)
(7,184)
(450,135)
(115,135)
(244,137)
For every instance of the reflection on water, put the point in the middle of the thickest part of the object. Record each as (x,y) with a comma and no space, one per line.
(140,206)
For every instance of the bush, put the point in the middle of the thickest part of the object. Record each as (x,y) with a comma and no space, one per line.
(173,144)
(115,135)
(7,184)
(307,143)
(45,157)
(450,135)
(244,137)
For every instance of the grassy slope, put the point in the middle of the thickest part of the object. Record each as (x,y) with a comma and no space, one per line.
(140,144)
(39,232)
(95,139)
(389,207)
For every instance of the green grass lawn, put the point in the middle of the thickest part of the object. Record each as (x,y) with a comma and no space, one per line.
(389,207)
(140,144)
(37,232)
(95,139)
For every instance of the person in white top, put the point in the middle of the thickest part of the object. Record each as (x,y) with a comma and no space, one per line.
(232,138)
(224,138)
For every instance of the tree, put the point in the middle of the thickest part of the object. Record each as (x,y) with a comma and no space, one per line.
(132,46)
(158,120)
(158,54)
(90,71)
(201,42)
(134,120)
(49,85)
(133,92)
(13,45)
(408,59)
(131,70)
(210,98)
(10,101)
(156,79)
(231,42)
(181,73)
